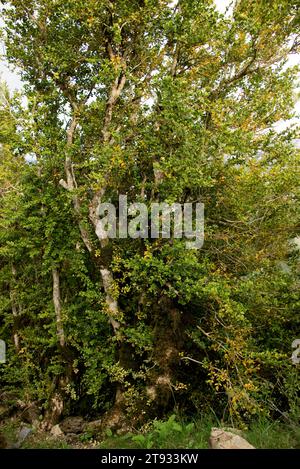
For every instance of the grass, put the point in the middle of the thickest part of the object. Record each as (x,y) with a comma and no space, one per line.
(176,434)
(36,440)
(273,435)
(172,433)
(42,442)
(167,434)
(10,430)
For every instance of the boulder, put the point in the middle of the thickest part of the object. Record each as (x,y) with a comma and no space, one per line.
(72,425)
(22,435)
(222,439)
(72,438)
(93,427)
(236,431)
(56,431)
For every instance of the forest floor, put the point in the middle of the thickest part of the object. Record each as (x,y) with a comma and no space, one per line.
(168,434)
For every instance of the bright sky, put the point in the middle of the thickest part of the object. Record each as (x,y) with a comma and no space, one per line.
(222,5)
(11,78)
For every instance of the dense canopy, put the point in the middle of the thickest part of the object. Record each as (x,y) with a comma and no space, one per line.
(163,102)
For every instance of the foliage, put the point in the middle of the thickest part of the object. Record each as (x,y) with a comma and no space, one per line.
(165,104)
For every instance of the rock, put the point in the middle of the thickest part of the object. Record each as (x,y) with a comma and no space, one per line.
(72,438)
(3,442)
(23,434)
(93,427)
(31,414)
(56,431)
(72,425)
(236,431)
(221,439)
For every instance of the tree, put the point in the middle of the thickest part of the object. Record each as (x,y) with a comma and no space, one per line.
(165,103)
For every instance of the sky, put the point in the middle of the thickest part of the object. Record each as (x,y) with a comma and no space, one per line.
(222,5)
(14,82)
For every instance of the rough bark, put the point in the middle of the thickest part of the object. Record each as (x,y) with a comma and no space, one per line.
(58,399)
(57,307)
(56,403)
(169,338)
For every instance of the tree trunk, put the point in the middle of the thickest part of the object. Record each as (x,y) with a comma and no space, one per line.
(57,307)
(58,397)
(169,338)
(56,403)
(71,185)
